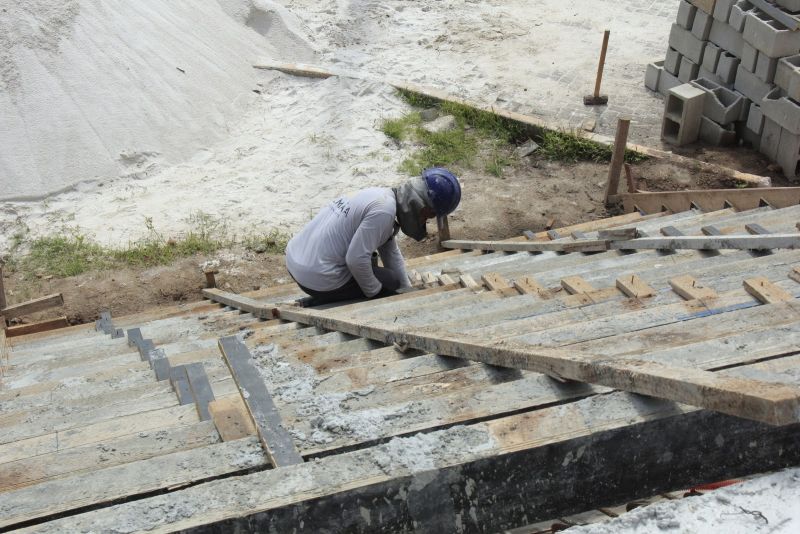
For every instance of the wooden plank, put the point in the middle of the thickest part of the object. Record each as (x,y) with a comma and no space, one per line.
(496,282)
(277,442)
(528,286)
(32,306)
(446,280)
(429,280)
(242,303)
(230,417)
(128,480)
(634,287)
(415,279)
(468,282)
(671,231)
(296,69)
(35,328)
(756,229)
(775,404)
(689,288)
(765,291)
(712,199)
(576,284)
(616,234)
(201,389)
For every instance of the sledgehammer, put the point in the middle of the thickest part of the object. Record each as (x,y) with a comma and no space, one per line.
(597,99)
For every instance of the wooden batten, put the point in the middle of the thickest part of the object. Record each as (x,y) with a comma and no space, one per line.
(689,288)
(765,291)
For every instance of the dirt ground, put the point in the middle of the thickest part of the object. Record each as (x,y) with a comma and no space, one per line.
(532,194)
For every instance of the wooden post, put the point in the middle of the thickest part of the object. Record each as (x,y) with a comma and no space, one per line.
(596,98)
(630,178)
(2,288)
(444,229)
(211,281)
(617,159)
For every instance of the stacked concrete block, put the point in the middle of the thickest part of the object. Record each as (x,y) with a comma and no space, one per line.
(747,64)
(683,113)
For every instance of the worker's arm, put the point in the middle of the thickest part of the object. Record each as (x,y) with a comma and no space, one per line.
(393,259)
(373,231)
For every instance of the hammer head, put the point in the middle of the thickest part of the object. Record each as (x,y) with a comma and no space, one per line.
(592,100)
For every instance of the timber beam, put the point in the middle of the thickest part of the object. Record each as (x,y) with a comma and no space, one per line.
(710,199)
(776,404)
(32,306)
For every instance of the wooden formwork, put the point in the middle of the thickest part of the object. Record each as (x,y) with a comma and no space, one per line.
(393,438)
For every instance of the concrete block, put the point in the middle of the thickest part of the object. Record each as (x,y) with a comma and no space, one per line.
(667,81)
(750,85)
(715,134)
(683,111)
(755,120)
(789,154)
(724,36)
(787,76)
(770,139)
(722,10)
(712,76)
(687,44)
(770,36)
(652,74)
(738,14)
(711,57)
(765,68)
(673,61)
(782,110)
(722,105)
(727,67)
(745,112)
(751,138)
(706,6)
(749,57)
(686,13)
(702,25)
(788,5)
(688,70)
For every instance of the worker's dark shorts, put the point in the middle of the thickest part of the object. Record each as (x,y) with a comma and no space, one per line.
(352,291)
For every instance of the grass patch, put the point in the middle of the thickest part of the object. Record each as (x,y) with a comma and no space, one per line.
(399,129)
(441,149)
(71,252)
(573,147)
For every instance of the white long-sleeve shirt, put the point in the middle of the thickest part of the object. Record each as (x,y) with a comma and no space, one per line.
(340,240)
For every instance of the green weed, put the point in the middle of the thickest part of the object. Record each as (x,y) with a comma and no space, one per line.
(573,147)
(399,129)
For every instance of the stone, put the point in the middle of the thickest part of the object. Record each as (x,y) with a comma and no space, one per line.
(782,110)
(652,74)
(673,61)
(724,36)
(526,149)
(688,70)
(715,134)
(442,124)
(770,36)
(701,26)
(787,76)
(687,44)
(755,120)
(429,114)
(686,13)
(683,111)
(727,66)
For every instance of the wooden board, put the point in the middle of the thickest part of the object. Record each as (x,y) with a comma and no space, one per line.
(32,306)
(689,288)
(240,302)
(711,199)
(576,284)
(634,287)
(35,328)
(231,419)
(772,403)
(528,286)
(496,282)
(277,442)
(765,291)
(201,389)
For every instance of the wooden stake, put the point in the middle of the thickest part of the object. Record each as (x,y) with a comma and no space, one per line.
(629,178)
(444,229)
(211,281)
(597,99)
(2,289)
(618,158)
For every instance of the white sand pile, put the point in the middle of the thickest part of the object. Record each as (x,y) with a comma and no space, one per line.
(96,89)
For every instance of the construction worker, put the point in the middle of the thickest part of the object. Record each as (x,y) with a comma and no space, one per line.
(331,259)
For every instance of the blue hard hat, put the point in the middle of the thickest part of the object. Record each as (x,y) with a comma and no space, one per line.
(444,190)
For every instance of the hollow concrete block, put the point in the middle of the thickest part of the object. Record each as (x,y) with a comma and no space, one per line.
(765,68)
(725,37)
(706,6)
(686,13)
(716,134)
(683,111)
(789,154)
(712,76)
(750,137)
(688,70)
(750,85)
(652,74)
(667,81)
(755,119)
(770,139)
(782,110)
(745,109)
(673,61)
(723,106)
(722,10)
(749,57)
(739,11)
(727,67)
(789,5)
(711,57)
(770,36)
(701,26)
(687,44)
(787,76)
